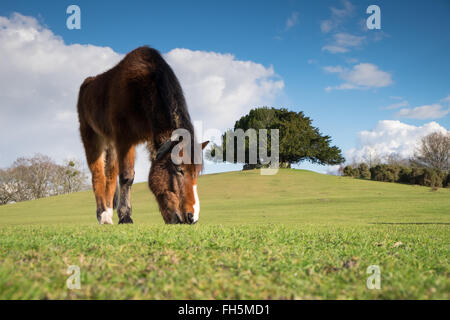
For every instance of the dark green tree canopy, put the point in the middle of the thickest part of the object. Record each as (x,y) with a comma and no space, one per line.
(298,139)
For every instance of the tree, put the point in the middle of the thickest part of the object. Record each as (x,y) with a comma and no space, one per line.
(71,177)
(356,173)
(10,188)
(38,177)
(364,171)
(13,186)
(38,173)
(447,181)
(372,158)
(404,175)
(298,139)
(432,178)
(434,152)
(340,171)
(396,160)
(384,172)
(348,171)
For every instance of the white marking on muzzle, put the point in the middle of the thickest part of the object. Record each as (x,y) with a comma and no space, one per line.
(106,216)
(196,204)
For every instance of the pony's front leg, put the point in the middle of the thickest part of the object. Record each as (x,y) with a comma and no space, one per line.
(126,177)
(104,214)
(94,148)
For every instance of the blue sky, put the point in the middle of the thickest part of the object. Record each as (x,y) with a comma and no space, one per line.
(409,53)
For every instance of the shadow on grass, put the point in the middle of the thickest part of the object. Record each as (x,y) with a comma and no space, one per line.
(418,223)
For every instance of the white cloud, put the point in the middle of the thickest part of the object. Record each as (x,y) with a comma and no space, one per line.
(432,111)
(361,76)
(326,26)
(219,88)
(39,80)
(292,20)
(334,49)
(333,69)
(351,60)
(390,136)
(40,76)
(332,169)
(397,105)
(344,42)
(348,40)
(446,99)
(345,11)
(338,16)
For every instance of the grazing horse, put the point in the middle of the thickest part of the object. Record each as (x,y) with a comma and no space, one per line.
(139,100)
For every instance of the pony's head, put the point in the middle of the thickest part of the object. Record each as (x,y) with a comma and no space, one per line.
(174,183)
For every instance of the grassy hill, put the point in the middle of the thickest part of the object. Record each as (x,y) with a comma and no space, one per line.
(297,234)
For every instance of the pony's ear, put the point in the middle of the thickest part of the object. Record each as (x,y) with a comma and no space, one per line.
(204,144)
(165,148)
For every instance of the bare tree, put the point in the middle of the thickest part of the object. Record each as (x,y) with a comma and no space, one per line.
(71,177)
(6,191)
(38,173)
(371,158)
(396,159)
(340,171)
(12,187)
(40,176)
(434,152)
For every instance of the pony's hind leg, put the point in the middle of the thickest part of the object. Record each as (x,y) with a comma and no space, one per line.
(95,150)
(111,172)
(126,156)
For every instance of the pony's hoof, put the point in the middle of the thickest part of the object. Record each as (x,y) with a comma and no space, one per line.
(125,220)
(106,217)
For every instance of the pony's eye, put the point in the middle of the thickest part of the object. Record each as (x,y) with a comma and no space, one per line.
(180,170)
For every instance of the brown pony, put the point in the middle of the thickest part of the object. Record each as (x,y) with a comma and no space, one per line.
(139,100)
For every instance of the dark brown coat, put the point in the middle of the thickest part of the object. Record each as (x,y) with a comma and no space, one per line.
(139,100)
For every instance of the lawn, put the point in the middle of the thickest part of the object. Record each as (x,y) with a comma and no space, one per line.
(294,235)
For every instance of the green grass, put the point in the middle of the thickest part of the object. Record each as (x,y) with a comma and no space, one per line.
(294,235)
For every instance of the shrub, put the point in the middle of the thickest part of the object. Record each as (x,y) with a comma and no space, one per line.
(401,173)
(355,173)
(446,183)
(416,176)
(384,172)
(348,171)
(428,177)
(431,178)
(364,171)
(404,175)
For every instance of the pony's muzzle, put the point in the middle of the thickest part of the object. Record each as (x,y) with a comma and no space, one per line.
(177,218)
(173,218)
(190,218)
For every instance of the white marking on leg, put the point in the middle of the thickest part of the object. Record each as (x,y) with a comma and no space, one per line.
(196,204)
(106,216)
